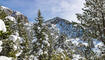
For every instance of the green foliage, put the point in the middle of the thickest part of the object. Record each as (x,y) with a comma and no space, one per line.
(60,42)
(25,42)
(93,19)
(2,14)
(41,32)
(8,49)
(4,35)
(60,56)
(7,45)
(93,23)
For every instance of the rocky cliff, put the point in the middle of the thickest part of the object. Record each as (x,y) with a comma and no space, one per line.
(15,14)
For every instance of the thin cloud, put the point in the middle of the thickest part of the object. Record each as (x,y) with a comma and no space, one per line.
(68,9)
(50,8)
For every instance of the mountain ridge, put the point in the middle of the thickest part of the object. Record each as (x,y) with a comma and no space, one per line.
(23,32)
(17,15)
(65,27)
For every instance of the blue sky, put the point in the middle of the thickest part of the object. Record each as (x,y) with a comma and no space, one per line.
(50,8)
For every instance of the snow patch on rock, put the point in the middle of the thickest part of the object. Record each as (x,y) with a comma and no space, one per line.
(4,7)
(18,13)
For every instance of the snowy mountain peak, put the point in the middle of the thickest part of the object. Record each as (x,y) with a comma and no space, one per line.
(65,27)
(56,36)
(56,20)
(3,7)
(17,15)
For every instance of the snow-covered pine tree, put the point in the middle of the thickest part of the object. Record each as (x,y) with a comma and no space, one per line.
(93,19)
(8,45)
(41,44)
(25,41)
(61,42)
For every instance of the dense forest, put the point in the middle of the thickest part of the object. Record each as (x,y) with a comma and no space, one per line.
(53,39)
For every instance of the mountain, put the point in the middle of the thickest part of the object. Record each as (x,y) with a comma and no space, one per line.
(71,29)
(64,26)
(65,38)
(74,32)
(15,14)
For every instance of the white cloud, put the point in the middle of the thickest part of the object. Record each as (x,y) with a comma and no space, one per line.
(50,8)
(62,8)
(68,9)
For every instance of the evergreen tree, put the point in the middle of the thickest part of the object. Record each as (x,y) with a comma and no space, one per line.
(93,19)
(61,42)
(7,45)
(41,44)
(93,23)
(60,56)
(25,41)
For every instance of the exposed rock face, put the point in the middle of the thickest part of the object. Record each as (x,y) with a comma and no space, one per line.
(66,27)
(6,10)
(18,15)
(57,20)
(15,14)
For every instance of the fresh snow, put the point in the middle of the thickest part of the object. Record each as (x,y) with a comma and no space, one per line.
(32,57)
(76,57)
(78,41)
(5,58)
(2,26)
(46,42)
(18,13)
(19,53)
(0,46)
(35,58)
(98,47)
(60,50)
(97,43)
(11,18)
(97,51)
(14,37)
(0,43)
(40,52)
(4,7)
